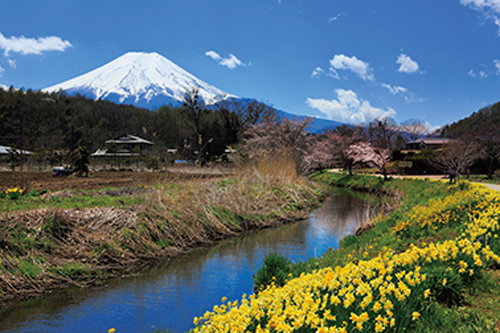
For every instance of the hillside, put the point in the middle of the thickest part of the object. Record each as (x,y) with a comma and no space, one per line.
(485,117)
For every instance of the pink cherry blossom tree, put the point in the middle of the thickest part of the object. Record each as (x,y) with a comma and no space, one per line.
(333,148)
(285,137)
(365,152)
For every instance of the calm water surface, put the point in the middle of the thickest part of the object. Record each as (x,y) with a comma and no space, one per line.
(173,293)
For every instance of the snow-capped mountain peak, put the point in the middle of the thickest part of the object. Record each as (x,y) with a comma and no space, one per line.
(142,79)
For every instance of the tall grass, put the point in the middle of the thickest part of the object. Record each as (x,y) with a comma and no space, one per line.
(81,245)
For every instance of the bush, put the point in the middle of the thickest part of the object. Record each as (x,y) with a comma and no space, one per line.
(153,163)
(276,268)
(14,193)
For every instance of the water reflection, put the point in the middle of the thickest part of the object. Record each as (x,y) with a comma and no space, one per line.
(170,294)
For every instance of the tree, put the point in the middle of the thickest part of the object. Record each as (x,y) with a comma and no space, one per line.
(238,116)
(457,156)
(382,133)
(232,126)
(365,152)
(415,129)
(489,139)
(334,146)
(80,161)
(195,114)
(286,137)
(14,157)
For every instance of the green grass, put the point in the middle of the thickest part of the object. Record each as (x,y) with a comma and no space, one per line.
(71,200)
(485,179)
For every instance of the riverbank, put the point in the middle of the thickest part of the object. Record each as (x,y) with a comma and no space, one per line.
(430,265)
(49,247)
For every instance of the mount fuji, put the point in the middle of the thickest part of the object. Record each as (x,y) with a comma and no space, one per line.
(149,80)
(145,80)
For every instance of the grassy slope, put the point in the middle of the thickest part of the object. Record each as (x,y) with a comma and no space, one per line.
(446,235)
(479,310)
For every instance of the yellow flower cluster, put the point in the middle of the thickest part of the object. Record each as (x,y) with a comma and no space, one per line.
(14,190)
(368,295)
(450,209)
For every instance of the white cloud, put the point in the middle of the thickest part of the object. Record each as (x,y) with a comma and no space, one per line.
(394,89)
(335,18)
(496,62)
(348,108)
(12,63)
(317,72)
(480,74)
(25,45)
(361,68)
(493,5)
(407,65)
(408,95)
(491,9)
(2,70)
(232,62)
(411,98)
(214,55)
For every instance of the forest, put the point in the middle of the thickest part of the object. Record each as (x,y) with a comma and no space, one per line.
(59,128)
(40,122)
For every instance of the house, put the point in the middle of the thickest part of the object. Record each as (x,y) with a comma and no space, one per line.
(5,150)
(125,146)
(427,143)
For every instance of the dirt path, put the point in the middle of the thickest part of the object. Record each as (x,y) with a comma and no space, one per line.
(38,180)
(491,186)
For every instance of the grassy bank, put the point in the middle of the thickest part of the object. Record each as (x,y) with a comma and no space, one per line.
(83,238)
(430,264)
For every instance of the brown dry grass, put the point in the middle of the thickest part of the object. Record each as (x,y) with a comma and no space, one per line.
(49,248)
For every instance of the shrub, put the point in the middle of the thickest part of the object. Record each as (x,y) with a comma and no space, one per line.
(276,268)
(14,193)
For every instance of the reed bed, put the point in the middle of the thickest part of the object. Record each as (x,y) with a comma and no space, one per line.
(50,248)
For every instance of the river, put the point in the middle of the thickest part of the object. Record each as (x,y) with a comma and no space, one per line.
(169,295)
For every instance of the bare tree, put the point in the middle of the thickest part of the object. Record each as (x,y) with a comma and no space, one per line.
(287,137)
(195,113)
(457,156)
(415,129)
(250,113)
(382,133)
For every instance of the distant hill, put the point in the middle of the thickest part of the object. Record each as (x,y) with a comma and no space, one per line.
(479,120)
(318,125)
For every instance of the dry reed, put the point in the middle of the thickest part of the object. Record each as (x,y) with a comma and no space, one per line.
(49,248)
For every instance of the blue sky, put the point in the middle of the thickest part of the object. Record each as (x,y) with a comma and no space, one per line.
(346,60)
